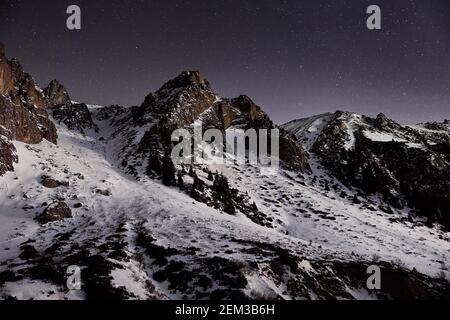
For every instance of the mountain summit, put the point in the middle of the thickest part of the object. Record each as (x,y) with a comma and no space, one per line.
(56,94)
(189,98)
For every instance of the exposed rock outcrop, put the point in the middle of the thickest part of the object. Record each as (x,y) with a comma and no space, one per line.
(56,94)
(242,112)
(188,98)
(55,212)
(23,107)
(7,155)
(75,116)
(178,103)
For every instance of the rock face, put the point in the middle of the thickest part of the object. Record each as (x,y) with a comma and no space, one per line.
(76,116)
(7,155)
(178,103)
(23,108)
(243,113)
(406,165)
(55,212)
(56,94)
(188,98)
(49,182)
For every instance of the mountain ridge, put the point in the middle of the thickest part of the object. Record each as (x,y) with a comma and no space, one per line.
(379,155)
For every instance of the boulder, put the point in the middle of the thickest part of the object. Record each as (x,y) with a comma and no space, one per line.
(56,211)
(49,182)
(103,192)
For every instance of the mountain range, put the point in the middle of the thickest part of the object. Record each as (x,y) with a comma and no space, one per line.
(93,186)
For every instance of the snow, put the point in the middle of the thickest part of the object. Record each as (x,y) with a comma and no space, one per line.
(359,230)
(38,290)
(297,205)
(132,278)
(308,128)
(361,294)
(356,230)
(352,120)
(380,136)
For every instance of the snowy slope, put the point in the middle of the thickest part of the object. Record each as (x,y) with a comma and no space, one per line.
(307,129)
(135,238)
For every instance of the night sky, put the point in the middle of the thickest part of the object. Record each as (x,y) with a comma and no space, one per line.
(293,58)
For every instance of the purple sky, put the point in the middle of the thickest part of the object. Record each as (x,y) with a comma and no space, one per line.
(293,58)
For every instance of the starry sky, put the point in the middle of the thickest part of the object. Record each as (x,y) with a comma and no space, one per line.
(295,58)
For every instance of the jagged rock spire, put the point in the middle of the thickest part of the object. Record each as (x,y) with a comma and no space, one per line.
(23,107)
(382,122)
(56,94)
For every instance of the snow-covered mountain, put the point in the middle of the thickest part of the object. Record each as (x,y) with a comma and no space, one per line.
(98,198)
(407,166)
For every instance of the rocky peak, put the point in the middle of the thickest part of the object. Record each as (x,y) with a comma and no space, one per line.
(384,123)
(242,112)
(19,85)
(23,107)
(381,119)
(186,79)
(187,86)
(178,102)
(188,98)
(247,106)
(56,94)
(76,116)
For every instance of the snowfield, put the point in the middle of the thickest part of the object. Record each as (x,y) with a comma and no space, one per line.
(114,216)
